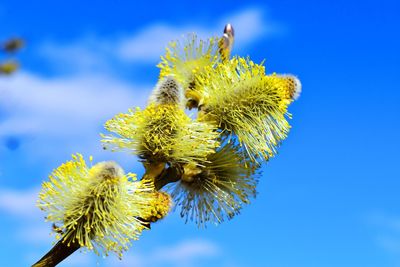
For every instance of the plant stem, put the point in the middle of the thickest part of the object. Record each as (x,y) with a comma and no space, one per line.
(169,175)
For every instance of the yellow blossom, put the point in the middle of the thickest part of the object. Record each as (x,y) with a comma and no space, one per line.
(96,207)
(217,190)
(161,133)
(243,101)
(188,59)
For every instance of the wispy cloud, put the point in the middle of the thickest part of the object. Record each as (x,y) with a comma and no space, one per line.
(19,203)
(63,106)
(387,229)
(389,243)
(388,222)
(183,254)
(66,113)
(253,24)
(145,46)
(186,251)
(89,54)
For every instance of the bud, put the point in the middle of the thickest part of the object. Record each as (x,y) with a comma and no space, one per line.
(226,42)
(167,91)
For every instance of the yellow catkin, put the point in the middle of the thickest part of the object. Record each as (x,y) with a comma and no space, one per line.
(216,191)
(245,102)
(161,133)
(97,207)
(185,60)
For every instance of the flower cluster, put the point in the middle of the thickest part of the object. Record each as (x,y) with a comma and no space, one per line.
(209,162)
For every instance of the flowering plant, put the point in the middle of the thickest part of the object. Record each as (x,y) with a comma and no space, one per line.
(207,166)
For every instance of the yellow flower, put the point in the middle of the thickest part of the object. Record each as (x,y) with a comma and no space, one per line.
(243,101)
(161,133)
(96,207)
(185,61)
(218,189)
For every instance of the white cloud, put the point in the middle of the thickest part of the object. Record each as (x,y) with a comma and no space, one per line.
(36,233)
(149,43)
(89,54)
(183,254)
(186,251)
(63,106)
(63,115)
(253,24)
(19,203)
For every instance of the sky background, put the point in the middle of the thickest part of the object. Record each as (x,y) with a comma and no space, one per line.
(329,199)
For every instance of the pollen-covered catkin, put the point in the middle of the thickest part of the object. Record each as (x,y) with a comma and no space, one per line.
(217,190)
(247,104)
(96,207)
(293,85)
(161,133)
(185,60)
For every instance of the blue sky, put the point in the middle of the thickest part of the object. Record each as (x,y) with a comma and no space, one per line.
(330,198)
